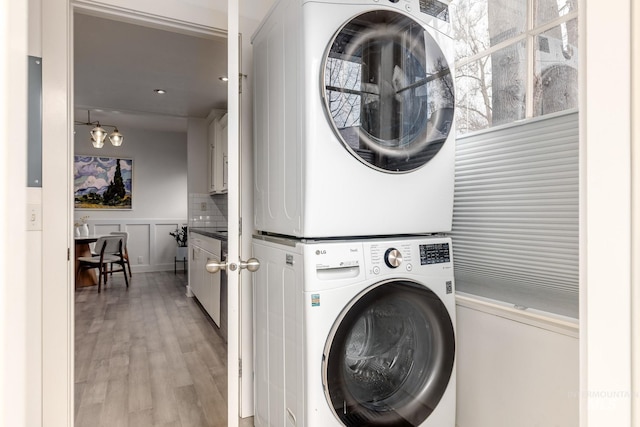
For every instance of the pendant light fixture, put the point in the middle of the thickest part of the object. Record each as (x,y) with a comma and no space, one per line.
(98,134)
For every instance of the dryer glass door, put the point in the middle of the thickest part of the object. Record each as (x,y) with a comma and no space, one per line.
(390,356)
(388,91)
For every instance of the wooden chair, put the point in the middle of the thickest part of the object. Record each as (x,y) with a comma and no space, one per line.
(125,238)
(110,252)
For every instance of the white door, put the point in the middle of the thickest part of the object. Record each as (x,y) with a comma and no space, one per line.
(237,263)
(233,214)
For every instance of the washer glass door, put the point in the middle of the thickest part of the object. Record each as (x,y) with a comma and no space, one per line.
(388,91)
(389,356)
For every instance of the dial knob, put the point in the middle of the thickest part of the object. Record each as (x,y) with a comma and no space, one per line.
(393,258)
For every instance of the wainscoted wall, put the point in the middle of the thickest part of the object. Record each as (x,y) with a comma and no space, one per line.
(515,368)
(151,247)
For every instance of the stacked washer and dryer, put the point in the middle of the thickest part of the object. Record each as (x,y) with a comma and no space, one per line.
(354,309)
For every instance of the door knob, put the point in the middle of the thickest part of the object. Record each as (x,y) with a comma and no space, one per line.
(252,264)
(213,265)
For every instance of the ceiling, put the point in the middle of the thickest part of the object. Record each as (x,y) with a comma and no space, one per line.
(117,66)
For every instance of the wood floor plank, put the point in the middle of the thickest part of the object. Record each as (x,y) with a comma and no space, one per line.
(139,383)
(115,410)
(142,418)
(212,401)
(88,416)
(165,408)
(189,407)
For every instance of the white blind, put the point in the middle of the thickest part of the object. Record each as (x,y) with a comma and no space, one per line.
(515,216)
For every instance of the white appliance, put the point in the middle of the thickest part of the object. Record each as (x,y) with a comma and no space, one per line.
(353,118)
(354,332)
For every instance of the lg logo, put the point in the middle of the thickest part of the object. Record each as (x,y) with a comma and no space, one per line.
(321,252)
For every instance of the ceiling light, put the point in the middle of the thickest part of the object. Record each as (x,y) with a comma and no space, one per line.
(98,134)
(116,138)
(224,78)
(160,91)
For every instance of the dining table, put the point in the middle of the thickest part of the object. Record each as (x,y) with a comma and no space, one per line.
(84,277)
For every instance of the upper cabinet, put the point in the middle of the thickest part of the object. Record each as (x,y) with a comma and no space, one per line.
(218,157)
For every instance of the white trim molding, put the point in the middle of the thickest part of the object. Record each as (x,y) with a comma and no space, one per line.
(536,318)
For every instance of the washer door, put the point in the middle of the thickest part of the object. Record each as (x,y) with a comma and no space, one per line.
(388,91)
(389,356)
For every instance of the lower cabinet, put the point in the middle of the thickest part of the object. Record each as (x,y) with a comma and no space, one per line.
(204,285)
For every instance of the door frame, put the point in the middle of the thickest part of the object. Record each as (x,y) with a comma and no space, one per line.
(58,294)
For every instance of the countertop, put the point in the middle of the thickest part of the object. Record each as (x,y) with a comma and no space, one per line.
(214,232)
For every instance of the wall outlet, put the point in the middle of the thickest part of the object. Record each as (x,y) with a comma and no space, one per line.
(139,260)
(203,206)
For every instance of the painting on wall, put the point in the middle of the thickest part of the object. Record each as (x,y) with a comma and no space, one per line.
(102,182)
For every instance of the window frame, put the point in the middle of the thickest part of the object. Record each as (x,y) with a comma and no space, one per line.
(528,36)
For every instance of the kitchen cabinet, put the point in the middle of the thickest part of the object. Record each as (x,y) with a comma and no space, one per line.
(218,156)
(205,286)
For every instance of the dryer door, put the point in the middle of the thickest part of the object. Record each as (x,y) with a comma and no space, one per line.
(388,91)
(389,357)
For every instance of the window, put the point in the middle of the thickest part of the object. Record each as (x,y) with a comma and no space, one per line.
(515,59)
(515,215)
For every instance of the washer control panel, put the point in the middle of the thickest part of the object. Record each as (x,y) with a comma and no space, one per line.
(395,256)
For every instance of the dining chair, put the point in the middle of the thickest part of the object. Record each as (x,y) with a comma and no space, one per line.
(110,252)
(125,237)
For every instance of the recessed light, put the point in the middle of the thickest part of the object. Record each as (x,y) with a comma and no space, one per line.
(224,78)
(160,91)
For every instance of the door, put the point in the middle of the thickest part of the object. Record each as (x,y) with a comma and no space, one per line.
(388,91)
(238,265)
(389,356)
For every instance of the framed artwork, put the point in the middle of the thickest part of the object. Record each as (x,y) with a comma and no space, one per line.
(102,182)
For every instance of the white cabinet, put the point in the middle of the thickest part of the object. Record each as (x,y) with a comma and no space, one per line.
(204,285)
(218,157)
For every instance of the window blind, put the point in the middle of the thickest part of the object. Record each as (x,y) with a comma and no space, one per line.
(515,216)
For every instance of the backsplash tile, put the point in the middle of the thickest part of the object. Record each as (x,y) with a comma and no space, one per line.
(207,211)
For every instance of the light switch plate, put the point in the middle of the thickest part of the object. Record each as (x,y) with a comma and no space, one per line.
(34,216)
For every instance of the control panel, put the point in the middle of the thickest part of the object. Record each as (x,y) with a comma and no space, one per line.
(397,256)
(435,8)
(434,253)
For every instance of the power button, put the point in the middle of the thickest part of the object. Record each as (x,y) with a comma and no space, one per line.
(376,270)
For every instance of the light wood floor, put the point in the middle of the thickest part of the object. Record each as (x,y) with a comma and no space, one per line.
(148,356)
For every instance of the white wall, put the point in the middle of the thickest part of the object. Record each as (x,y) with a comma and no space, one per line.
(515,369)
(160,197)
(14,302)
(34,272)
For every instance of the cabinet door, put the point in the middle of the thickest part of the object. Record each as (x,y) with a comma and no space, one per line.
(211,169)
(211,292)
(195,273)
(218,158)
(224,156)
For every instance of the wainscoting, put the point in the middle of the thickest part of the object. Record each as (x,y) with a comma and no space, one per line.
(151,247)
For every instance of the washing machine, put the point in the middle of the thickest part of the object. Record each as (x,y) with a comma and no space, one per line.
(354,332)
(353,118)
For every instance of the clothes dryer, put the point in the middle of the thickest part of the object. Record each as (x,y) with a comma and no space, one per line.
(353,118)
(354,332)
